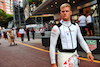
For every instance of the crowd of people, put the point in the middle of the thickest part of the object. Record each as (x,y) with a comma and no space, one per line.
(86,24)
(10,35)
(22,32)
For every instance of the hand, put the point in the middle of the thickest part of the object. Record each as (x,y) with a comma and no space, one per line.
(54,65)
(90,57)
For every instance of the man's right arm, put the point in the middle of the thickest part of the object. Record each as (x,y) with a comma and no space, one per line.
(53,41)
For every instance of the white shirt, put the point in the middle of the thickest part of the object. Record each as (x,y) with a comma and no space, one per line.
(21,31)
(14,32)
(88,19)
(82,20)
(68,43)
(41,30)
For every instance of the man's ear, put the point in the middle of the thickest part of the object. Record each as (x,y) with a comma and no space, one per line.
(71,13)
(60,12)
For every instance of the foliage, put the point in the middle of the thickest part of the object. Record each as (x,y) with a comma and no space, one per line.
(5,18)
(2,15)
(9,17)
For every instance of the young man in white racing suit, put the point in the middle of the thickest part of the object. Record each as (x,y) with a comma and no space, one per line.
(68,34)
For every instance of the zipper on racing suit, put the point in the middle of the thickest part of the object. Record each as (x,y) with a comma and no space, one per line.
(71,37)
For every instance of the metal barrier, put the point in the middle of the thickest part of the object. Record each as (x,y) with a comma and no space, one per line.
(92,42)
(46,41)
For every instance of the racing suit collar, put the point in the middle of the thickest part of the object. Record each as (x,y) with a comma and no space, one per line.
(65,23)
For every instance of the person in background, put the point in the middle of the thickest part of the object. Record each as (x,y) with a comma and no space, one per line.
(42,31)
(22,32)
(33,31)
(82,24)
(5,35)
(46,27)
(65,36)
(14,32)
(27,32)
(17,30)
(11,38)
(90,25)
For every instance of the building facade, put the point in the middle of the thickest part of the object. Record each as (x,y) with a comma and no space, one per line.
(6,5)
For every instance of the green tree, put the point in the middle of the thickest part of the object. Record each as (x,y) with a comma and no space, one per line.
(2,15)
(5,18)
(9,17)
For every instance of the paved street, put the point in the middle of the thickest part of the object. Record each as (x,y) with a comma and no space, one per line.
(30,54)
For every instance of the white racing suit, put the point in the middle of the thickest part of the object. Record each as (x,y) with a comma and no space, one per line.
(69,34)
(68,59)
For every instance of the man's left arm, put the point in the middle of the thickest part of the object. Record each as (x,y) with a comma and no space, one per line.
(84,45)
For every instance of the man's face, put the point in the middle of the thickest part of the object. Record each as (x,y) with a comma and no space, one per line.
(66,13)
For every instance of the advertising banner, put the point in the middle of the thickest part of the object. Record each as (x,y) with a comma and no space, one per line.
(92,44)
(26,12)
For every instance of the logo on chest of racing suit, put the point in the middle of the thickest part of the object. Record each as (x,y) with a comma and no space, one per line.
(54,30)
(69,31)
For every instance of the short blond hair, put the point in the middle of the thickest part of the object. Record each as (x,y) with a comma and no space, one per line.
(65,5)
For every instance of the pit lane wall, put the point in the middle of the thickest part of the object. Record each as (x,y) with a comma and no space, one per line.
(92,42)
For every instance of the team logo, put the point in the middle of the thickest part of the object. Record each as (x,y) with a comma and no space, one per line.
(92,44)
(54,30)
